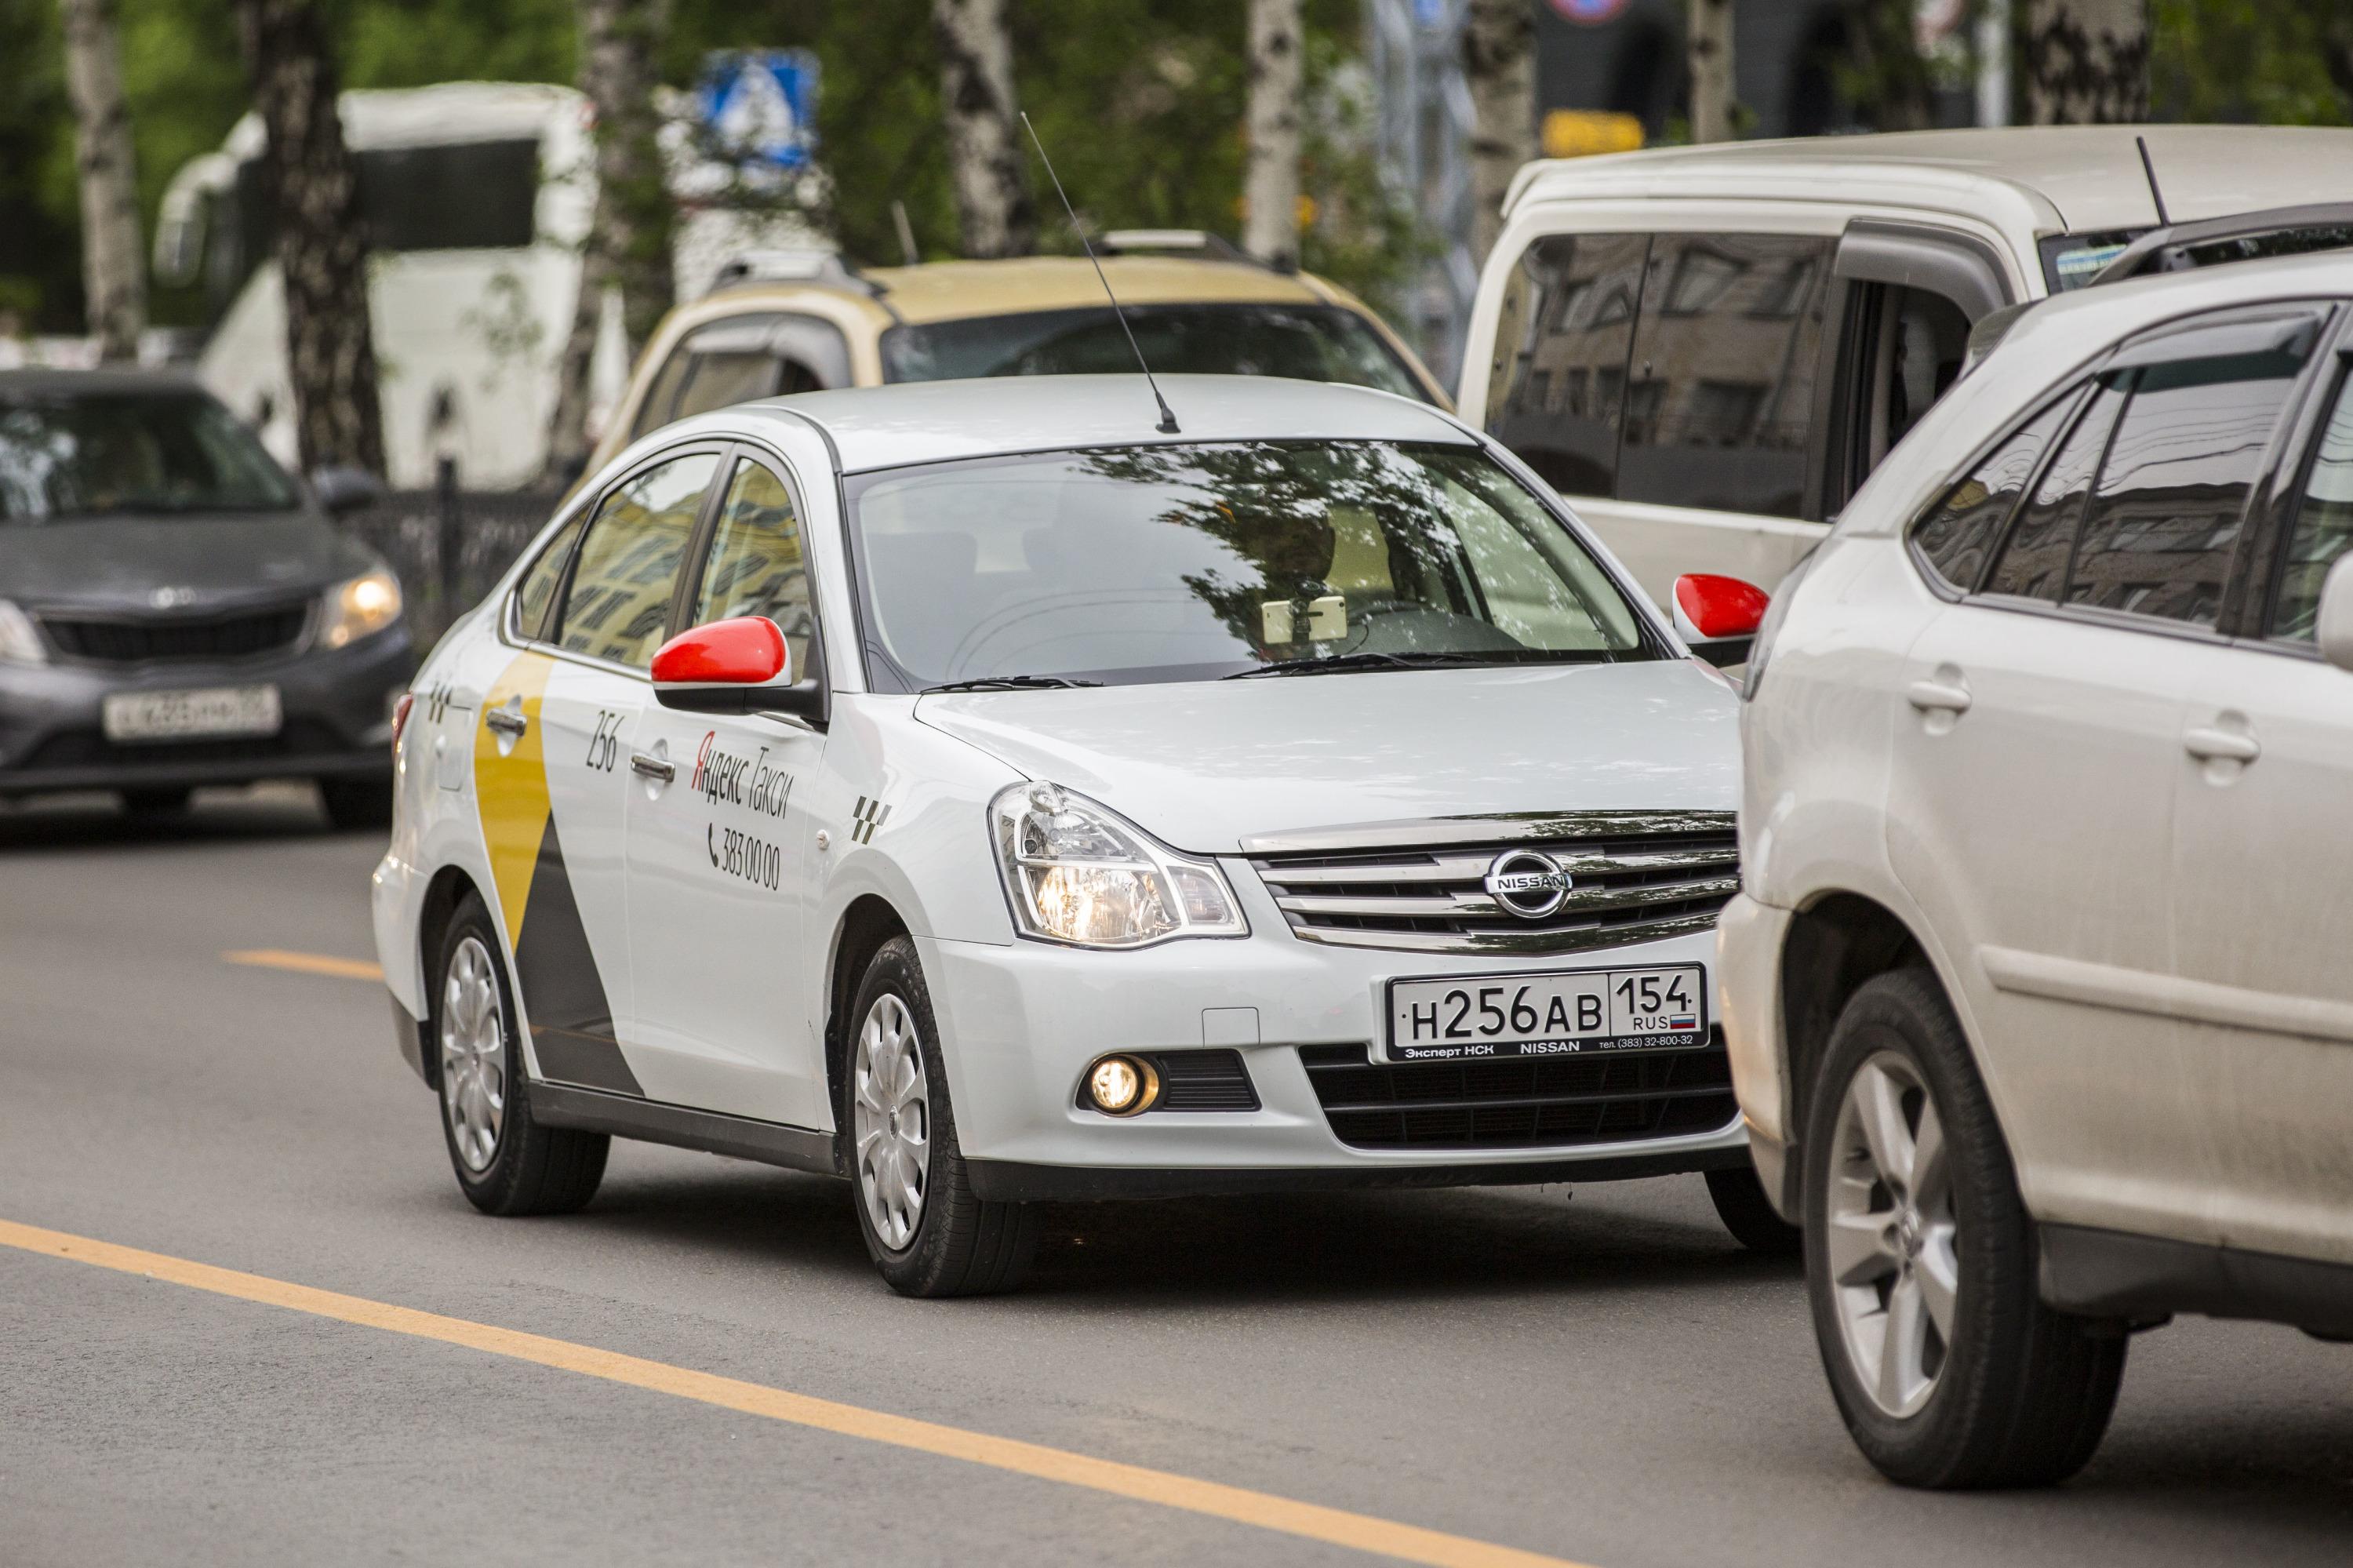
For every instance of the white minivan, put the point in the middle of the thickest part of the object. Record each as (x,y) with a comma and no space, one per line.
(1706,350)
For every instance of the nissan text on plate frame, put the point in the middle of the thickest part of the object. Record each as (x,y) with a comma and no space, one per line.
(966,790)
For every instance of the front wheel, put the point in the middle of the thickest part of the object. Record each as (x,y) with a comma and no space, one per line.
(1920,1263)
(927,1231)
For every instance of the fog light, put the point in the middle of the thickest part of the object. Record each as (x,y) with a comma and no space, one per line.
(1122,1086)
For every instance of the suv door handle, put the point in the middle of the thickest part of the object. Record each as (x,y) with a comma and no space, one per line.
(2210,745)
(658,768)
(1937,697)
(506,721)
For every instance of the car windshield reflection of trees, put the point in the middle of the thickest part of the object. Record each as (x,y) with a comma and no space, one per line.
(1319,557)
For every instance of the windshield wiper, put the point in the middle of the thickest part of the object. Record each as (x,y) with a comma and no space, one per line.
(1341,664)
(1009,683)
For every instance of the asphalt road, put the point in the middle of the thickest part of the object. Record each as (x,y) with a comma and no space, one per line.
(1598,1375)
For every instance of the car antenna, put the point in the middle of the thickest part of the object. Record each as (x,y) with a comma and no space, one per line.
(906,232)
(2155,194)
(1167,426)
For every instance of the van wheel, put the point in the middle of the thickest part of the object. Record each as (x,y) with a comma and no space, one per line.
(927,1230)
(506,1162)
(1748,1213)
(1920,1263)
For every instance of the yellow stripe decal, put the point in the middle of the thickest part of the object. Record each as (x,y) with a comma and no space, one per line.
(1312,1521)
(510,787)
(306,963)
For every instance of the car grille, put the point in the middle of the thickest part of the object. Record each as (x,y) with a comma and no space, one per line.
(1521,1102)
(1639,876)
(190,637)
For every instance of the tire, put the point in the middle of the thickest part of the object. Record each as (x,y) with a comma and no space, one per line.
(506,1162)
(947,1241)
(352,804)
(156,805)
(1748,1213)
(2009,1392)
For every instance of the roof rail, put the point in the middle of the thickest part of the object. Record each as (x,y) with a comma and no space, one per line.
(1198,241)
(2329,225)
(792,266)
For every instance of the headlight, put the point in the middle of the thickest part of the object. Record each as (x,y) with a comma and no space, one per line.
(360,607)
(19,643)
(1078,873)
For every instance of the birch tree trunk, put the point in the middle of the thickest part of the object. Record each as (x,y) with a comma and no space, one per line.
(2085,61)
(1708,36)
(1270,170)
(310,178)
(568,445)
(985,158)
(114,269)
(1499,56)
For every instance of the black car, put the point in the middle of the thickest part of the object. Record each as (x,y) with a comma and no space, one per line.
(177,611)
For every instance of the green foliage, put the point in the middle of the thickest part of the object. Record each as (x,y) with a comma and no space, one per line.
(2272,62)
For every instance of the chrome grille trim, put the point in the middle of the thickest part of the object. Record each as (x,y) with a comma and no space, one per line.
(1513,828)
(1643,876)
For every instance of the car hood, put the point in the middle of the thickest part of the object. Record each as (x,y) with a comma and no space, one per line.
(1205,765)
(220,560)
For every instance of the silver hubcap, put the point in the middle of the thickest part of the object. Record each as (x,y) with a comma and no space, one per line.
(1890,1234)
(473,1055)
(891,1112)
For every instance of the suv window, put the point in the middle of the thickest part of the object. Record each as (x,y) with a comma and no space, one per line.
(2033,563)
(1720,406)
(618,604)
(756,566)
(1558,387)
(1955,536)
(2324,524)
(535,594)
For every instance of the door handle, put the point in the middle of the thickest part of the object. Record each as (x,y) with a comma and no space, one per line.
(662,770)
(1937,697)
(2209,744)
(506,721)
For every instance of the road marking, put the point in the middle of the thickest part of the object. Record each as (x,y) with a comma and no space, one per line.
(307,963)
(1336,1527)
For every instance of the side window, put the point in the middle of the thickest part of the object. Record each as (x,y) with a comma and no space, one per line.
(1955,535)
(732,364)
(1720,406)
(2324,525)
(756,566)
(1921,341)
(1558,385)
(662,395)
(535,593)
(620,602)
(2164,519)
(2033,563)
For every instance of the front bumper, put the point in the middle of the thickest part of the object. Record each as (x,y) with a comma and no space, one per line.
(1749,937)
(336,724)
(1020,1023)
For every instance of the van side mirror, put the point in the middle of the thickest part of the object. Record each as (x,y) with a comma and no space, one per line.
(740,665)
(2333,629)
(1717,616)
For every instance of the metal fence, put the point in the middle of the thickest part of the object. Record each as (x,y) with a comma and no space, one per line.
(449,546)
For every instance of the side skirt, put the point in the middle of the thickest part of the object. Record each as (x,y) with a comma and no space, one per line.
(2112,1274)
(680,1126)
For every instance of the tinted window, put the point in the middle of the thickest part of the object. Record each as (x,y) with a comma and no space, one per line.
(89,454)
(2034,562)
(654,412)
(717,380)
(1558,387)
(1956,536)
(2324,524)
(755,567)
(1305,343)
(2158,536)
(618,605)
(462,196)
(535,594)
(1720,406)
(1925,338)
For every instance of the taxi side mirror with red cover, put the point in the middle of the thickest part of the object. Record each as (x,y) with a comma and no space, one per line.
(741,665)
(1718,615)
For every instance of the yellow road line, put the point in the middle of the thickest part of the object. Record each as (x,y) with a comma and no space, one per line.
(307,963)
(1406,1542)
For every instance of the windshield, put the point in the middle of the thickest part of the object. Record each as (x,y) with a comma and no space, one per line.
(1304,343)
(87,454)
(1187,563)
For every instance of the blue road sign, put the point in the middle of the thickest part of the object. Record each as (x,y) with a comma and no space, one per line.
(762,104)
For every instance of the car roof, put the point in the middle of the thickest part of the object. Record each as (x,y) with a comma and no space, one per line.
(2078,178)
(947,290)
(934,421)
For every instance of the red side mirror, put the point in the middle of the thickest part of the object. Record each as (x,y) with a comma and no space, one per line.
(1709,609)
(747,651)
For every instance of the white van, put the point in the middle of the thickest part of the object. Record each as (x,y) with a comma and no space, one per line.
(1705,350)
(479,195)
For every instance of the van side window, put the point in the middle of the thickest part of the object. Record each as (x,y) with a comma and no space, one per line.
(1720,406)
(1557,387)
(1954,535)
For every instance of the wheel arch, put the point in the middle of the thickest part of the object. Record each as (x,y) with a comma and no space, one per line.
(443,893)
(868,922)
(1833,945)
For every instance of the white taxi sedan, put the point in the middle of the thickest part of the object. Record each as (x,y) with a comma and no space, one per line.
(974,790)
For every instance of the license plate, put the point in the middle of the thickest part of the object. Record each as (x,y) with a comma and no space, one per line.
(1565,1014)
(182,715)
